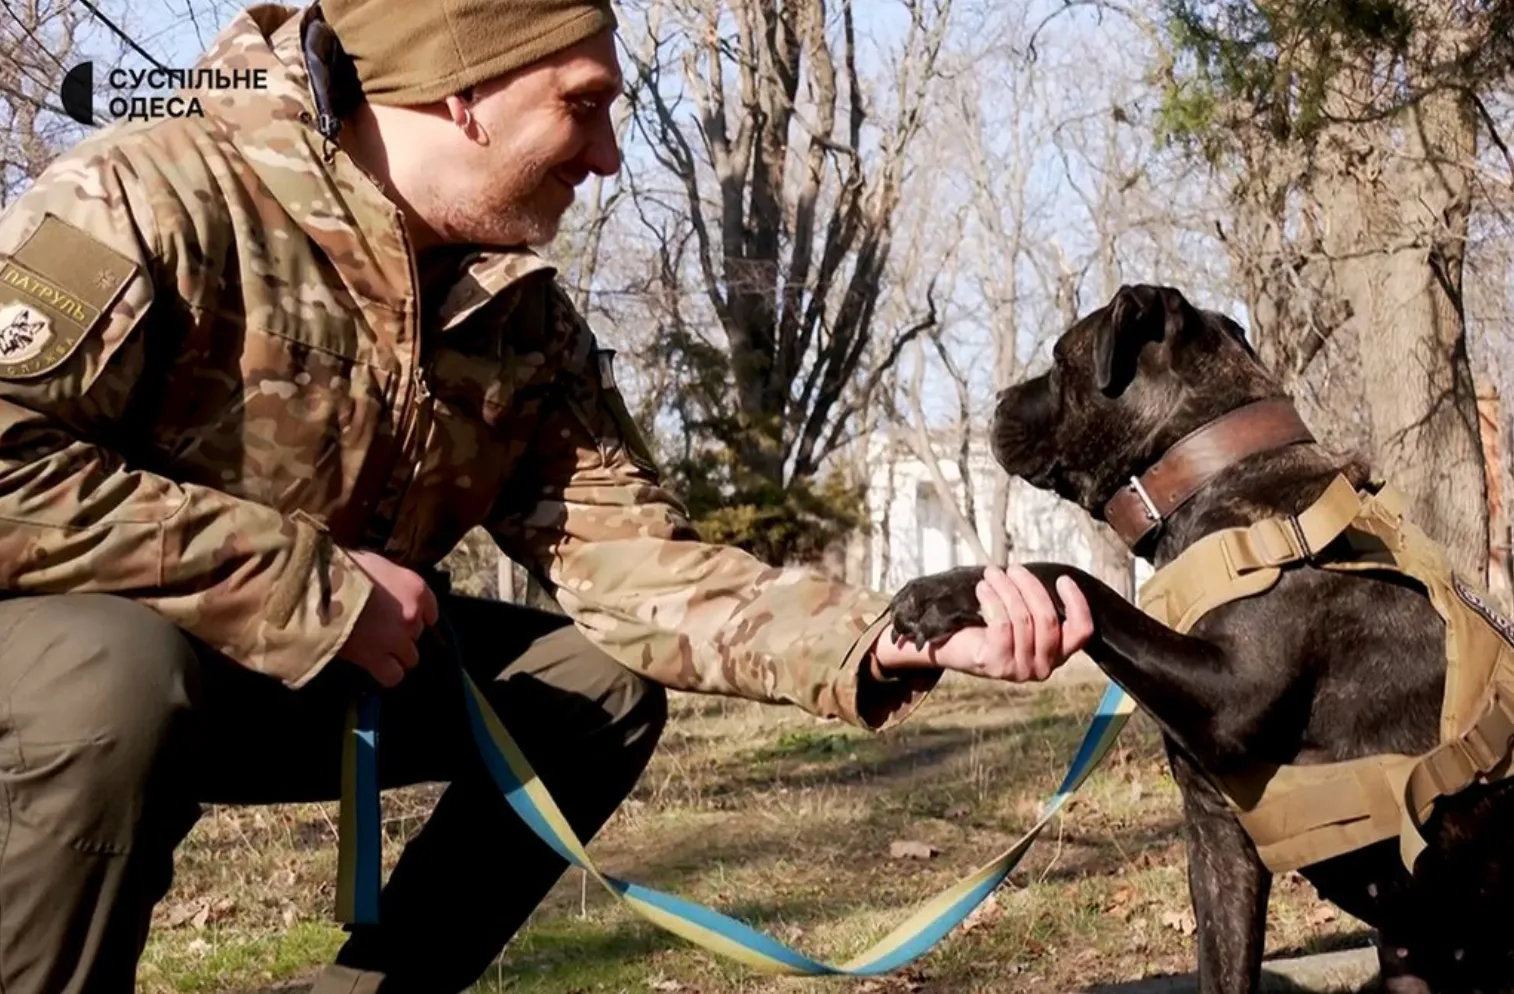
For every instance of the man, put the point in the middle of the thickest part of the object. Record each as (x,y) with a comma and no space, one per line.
(262,369)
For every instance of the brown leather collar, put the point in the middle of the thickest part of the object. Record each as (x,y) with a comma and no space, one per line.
(1140,507)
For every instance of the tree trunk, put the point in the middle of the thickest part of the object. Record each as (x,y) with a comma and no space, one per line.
(1500,534)
(1396,223)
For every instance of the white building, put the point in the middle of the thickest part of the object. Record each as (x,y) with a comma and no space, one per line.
(915,533)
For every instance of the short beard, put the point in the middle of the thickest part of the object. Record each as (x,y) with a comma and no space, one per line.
(503,214)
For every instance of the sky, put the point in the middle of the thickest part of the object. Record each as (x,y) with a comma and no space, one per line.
(176,31)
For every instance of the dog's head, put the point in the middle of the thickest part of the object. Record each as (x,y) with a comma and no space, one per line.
(1126,382)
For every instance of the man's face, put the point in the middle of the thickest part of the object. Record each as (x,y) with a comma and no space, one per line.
(536,135)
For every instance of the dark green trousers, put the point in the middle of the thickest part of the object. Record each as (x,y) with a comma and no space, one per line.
(115,728)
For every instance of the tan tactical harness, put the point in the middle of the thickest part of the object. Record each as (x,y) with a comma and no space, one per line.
(1300,815)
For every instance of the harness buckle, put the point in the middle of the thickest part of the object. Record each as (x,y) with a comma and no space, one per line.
(1486,743)
(1300,539)
(1450,768)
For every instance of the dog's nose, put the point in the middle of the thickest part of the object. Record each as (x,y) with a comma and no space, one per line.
(1022,424)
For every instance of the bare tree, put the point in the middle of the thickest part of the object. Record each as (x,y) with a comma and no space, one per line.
(40,39)
(789,168)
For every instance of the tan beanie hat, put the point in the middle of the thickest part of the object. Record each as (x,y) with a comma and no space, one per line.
(421,51)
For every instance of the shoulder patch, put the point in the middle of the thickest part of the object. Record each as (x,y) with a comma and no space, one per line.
(54,290)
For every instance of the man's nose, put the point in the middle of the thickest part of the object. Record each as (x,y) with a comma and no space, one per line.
(602,154)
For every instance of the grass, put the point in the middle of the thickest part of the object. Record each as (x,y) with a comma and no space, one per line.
(786,823)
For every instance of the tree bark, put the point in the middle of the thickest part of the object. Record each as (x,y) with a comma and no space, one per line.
(1395,229)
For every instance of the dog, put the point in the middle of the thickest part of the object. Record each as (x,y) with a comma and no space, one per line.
(1323,667)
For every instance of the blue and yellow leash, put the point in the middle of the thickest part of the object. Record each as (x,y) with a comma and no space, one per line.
(360,856)
(360,867)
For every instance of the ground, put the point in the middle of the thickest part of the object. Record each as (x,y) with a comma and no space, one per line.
(790,824)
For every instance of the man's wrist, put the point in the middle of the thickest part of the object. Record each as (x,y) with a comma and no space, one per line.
(878,672)
(889,662)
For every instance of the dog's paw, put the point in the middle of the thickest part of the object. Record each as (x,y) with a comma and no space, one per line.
(933,608)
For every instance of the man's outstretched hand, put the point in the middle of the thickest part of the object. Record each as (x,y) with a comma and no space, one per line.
(1021,638)
(385,639)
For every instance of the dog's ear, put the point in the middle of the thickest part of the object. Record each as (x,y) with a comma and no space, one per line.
(1137,315)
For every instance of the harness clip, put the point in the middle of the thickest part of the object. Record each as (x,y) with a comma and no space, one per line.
(1298,535)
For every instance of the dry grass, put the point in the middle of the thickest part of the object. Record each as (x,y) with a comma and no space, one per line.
(785,822)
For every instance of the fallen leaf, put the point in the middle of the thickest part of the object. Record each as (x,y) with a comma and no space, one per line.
(179,914)
(1136,792)
(959,811)
(199,947)
(1121,903)
(665,985)
(1324,914)
(201,917)
(911,850)
(1181,921)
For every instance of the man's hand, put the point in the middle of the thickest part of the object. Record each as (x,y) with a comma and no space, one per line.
(1022,641)
(384,640)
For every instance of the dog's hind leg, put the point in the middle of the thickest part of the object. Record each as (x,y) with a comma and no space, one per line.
(1228,884)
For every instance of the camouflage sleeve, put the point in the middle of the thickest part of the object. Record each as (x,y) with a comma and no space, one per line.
(79,298)
(627,565)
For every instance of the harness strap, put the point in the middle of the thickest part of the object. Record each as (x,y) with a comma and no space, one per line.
(1274,542)
(1297,815)
(1332,807)
(1452,766)
(1481,753)
(1240,562)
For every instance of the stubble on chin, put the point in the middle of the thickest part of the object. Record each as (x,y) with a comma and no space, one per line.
(501,217)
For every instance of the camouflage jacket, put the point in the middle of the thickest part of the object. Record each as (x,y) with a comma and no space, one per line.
(220,368)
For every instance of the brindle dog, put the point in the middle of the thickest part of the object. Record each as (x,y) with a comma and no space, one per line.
(1322,668)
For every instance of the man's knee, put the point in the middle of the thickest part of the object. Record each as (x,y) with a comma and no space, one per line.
(620,705)
(642,715)
(93,685)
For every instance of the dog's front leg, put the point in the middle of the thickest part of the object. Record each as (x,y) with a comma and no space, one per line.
(1227,882)
(1181,681)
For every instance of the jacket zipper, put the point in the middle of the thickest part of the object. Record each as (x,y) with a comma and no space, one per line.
(415,385)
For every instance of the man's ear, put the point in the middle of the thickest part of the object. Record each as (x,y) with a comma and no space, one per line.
(1137,315)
